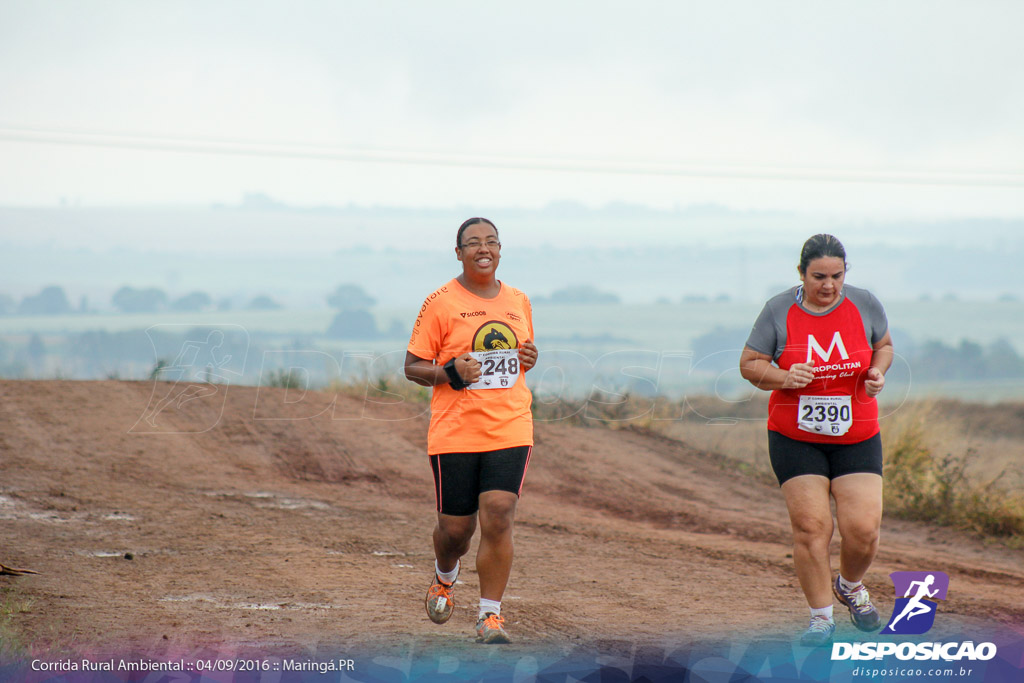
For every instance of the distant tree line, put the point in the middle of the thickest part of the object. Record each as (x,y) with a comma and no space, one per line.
(578,295)
(53,300)
(966,361)
(354,319)
(50,301)
(932,361)
(100,354)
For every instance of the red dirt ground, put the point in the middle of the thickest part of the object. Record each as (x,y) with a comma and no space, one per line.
(258,519)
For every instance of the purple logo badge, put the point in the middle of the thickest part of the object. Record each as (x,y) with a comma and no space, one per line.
(914,613)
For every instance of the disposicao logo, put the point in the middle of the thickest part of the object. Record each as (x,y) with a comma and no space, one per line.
(914,613)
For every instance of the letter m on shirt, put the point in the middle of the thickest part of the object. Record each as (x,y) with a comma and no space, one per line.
(837,343)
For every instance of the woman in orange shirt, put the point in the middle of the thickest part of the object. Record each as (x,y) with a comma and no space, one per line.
(472,342)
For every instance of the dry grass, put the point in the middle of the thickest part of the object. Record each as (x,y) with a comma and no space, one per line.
(12,644)
(946,462)
(730,433)
(382,389)
(628,410)
(926,480)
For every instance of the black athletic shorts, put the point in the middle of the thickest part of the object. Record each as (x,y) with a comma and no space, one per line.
(460,478)
(791,458)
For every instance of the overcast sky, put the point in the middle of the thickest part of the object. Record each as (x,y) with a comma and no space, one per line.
(882,108)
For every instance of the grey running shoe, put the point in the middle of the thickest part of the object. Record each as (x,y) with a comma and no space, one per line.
(439,601)
(489,630)
(862,613)
(819,632)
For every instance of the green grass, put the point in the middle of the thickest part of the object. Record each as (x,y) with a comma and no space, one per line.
(285,379)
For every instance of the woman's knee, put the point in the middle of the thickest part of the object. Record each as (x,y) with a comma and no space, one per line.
(812,530)
(861,534)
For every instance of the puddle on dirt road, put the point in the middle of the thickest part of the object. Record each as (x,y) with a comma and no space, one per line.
(253,606)
(120,517)
(11,509)
(15,510)
(270,500)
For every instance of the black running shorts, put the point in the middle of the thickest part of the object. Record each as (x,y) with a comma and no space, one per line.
(460,478)
(791,458)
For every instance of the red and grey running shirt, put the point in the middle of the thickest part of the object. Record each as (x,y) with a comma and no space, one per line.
(834,407)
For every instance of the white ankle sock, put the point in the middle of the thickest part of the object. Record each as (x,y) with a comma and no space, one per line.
(822,612)
(447,577)
(492,606)
(847,585)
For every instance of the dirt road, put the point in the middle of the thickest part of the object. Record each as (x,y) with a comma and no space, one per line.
(252,519)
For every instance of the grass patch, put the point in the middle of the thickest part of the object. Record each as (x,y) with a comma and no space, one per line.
(382,389)
(617,410)
(923,483)
(286,379)
(12,605)
(729,434)
(604,409)
(935,467)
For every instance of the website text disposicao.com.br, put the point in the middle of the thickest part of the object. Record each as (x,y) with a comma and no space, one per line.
(906,672)
(950,652)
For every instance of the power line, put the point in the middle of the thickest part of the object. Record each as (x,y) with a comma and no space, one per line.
(329,152)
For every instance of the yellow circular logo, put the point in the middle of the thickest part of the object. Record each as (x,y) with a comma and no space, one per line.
(494,335)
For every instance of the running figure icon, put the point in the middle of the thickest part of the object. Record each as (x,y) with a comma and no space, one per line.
(206,362)
(920,590)
(915,607)
(184,370)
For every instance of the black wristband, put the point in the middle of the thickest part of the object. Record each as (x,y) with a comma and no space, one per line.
(455,381)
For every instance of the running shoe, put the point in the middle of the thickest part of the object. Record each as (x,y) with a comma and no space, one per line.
(439,602)
(862,613)
(489,630)
(819,632)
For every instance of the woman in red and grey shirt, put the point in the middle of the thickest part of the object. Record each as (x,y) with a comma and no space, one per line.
(822,349)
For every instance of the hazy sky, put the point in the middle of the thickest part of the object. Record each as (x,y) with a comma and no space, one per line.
(747,103)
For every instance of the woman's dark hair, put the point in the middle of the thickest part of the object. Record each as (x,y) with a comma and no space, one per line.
(820,246)
(469,222)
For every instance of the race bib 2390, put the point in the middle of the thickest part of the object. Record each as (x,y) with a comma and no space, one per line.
(826,415)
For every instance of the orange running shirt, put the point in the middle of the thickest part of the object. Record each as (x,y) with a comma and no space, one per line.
(454,321)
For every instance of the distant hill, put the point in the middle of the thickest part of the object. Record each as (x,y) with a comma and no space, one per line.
(641,255)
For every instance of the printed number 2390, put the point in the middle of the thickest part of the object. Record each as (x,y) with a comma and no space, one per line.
(820,413)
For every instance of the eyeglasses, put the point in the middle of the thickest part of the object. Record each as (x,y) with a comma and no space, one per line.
(476,244)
